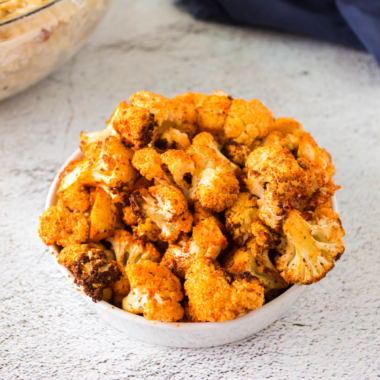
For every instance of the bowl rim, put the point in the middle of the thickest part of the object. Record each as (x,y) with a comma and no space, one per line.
(120,313)
(36,10)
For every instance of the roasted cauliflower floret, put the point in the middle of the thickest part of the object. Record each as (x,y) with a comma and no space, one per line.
(171,138)
(317,163)
(114,170)
(102,216)
(146,230)
(180,166)
(275,177)
(129,250)
(135,126)
(309,248)
(167,112)
(201,214)
(129,218)
(207,241)
(236,153)
(149,163)
(201,175)
(247,121)
(77,196)
(122,287)
(110,169)
(211,110)
(285,132)
(217,296)
(239,217)
(206,139)
(217,188)
(155,292)
(58,225)
(92,271)
(253,258)
(287,125)
(88,140)
(166,206)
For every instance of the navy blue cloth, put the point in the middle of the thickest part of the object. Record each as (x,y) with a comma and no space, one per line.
(354,23)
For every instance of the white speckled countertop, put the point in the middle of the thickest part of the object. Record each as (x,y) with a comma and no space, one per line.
(48,331)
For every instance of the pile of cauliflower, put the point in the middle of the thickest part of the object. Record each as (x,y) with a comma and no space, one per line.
(198,208)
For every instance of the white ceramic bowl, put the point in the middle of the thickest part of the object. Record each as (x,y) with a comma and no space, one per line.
(184,334)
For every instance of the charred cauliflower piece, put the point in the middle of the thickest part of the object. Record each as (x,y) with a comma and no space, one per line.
(155,292)
(166,206)
(207,241)
(171,138)
(253,258)
(317,163)
(135,126)
(236,153)
(167,112)
(58,225)
(180,166)
(247,121)
(92,272)
(206,139)
(217,296)
(309,248)
(129,250)
(275,177)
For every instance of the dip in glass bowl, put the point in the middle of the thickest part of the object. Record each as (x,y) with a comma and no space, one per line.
(38,36)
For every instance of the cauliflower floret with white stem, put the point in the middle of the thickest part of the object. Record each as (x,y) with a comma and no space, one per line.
(309,248)
(155,292)
(206,139)
(166,206)
(201,175)
(171,138)
(274,176)
(180,166)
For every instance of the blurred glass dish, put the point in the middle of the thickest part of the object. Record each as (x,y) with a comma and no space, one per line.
(38,36)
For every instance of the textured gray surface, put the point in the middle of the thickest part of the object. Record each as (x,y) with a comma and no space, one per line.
(48,331)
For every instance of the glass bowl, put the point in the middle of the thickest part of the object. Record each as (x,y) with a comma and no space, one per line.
(35,43)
